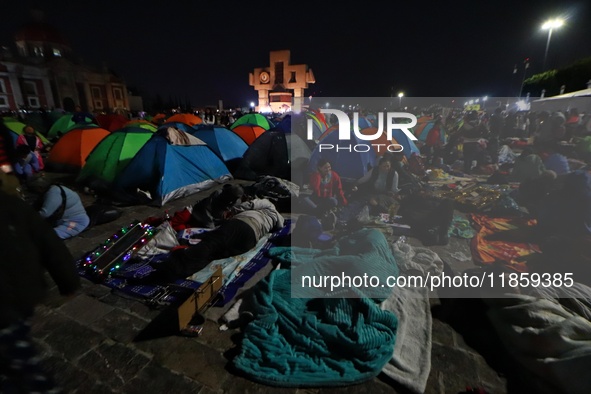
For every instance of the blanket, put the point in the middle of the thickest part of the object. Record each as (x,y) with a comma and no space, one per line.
(410,364)
(508,253)
(548,332)
(333,341)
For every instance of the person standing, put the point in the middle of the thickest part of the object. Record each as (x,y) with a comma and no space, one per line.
(29,248)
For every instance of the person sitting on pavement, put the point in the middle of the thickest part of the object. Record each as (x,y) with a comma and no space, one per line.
(378,187)
(26,164)
(252,220)
(527,166)
(60,206)
(327,193)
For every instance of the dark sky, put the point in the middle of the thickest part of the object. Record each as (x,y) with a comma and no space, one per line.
(204,50)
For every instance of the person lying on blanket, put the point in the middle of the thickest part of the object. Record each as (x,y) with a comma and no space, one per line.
(251,221)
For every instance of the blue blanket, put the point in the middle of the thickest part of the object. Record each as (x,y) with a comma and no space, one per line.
(333,341)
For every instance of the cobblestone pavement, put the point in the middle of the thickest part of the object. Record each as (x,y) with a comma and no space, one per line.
(88,342)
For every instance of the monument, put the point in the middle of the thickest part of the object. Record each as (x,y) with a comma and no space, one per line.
(280,82)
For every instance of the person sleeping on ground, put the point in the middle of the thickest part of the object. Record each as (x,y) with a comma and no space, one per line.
(251,221)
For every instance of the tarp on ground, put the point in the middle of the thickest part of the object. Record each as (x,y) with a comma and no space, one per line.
(274,153)
(112,154)
(346,161)
(168,172)
(69,154)
(254,119)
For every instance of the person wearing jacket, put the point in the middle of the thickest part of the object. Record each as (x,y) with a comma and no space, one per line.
(29,248)
(70,221)
(251,221)
(378,187)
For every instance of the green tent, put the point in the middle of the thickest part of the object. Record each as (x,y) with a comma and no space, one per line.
(143,124)
(17,127)
(113,154)
(253,119)
(62,125)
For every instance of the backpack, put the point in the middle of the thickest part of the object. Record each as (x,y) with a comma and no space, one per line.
(101,214)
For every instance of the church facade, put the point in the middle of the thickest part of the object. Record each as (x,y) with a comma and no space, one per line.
(43,74)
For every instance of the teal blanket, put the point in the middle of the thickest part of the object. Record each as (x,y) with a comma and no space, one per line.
(329,341)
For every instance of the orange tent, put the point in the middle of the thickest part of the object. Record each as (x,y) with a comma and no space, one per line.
(70,152)
(188,119)
(248,132)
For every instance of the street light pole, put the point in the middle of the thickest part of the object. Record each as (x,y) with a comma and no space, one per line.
(550,25)
(400,99)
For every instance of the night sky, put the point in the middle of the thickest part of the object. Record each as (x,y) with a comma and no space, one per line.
(203,51)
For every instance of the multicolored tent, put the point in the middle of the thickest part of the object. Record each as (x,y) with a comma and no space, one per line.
(421,131)
(188,119)
(112,154)
(248,132)
(70,152)
(17,128)
(168,172)
(144,124)
(61,126)
(253,119)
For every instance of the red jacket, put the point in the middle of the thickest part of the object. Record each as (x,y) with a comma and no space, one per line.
(334,188)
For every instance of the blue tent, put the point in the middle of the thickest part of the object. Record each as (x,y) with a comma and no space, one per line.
(347,162)
(225,143)
(284,125)
(169,171)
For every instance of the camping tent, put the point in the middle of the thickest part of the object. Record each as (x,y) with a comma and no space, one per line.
(111,122)
(168,171)
(112,154)
(70,152)
(144,124)
(248,132)
(188,119)
(350,159)
(225,143)
(254,119)
(421,131)
(275,153)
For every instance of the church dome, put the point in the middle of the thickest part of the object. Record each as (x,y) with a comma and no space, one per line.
(40,32)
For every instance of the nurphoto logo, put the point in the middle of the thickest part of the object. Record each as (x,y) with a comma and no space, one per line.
(394,121)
